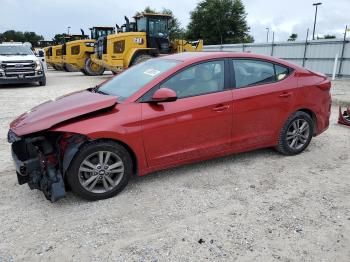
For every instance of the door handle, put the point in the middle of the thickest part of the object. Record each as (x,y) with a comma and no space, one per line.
(285,95)
(221,108)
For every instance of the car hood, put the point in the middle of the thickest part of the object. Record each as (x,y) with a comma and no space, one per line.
(9,58)
(53,112)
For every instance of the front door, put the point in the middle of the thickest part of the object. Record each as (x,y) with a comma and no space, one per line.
(198,124)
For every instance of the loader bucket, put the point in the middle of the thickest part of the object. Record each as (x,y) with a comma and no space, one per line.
(344,116)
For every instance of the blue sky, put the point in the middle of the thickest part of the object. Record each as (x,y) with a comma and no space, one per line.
(48,17)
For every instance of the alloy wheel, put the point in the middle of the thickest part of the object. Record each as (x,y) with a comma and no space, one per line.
(298,134)
(101,172)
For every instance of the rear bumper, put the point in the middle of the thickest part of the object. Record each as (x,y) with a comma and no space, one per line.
(24,80)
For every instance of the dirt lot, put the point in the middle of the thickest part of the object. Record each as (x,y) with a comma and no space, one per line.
(255,206)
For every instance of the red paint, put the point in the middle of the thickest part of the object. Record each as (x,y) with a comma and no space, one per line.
(52,112)
(163,135)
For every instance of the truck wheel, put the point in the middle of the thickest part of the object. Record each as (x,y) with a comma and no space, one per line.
(100,170)
(69,68)
(92,68)
(43,81)
(65,68)
(139,58)
(84,72)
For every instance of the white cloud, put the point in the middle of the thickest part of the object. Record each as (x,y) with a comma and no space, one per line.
(48,17)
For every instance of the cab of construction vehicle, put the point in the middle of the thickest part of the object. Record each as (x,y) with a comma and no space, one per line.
(134,42)
(156,27)
(99,31)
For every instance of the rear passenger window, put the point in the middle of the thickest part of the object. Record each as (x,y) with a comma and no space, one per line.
(281,72)
(250,72)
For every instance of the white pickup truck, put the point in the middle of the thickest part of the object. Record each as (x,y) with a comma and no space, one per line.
(18,64)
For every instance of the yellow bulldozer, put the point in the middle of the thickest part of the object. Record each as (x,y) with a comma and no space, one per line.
(59,56)
(134,42)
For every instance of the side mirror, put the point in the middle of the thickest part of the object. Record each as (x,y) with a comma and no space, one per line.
(164,95)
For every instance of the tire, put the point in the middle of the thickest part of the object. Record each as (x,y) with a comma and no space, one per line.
(69,68)
(55,67)
(92,69)
(294,138)
(77,175)
(43,81)
(65,68)
(139,58)
(84,72)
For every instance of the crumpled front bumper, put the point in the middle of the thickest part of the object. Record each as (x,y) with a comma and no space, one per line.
(33,168)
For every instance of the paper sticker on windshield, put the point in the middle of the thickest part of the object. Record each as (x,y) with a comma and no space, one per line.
(151,72)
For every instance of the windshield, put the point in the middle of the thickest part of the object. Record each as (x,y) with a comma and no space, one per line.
(133,79)
(97,33)
(15,50)
(158,27)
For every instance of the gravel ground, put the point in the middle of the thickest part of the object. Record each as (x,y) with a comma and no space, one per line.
(254,206)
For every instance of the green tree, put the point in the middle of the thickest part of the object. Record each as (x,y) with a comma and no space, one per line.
(219,22)
(59,38)
(18,36)
(292,37)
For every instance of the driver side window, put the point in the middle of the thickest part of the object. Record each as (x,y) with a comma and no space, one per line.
(197,80)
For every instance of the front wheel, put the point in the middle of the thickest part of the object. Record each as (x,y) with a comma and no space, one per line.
(139,58)
(43,81)
(100,170)
(296,134)
(92,68)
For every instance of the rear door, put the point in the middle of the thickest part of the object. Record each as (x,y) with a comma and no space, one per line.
(198,124)
(263,97)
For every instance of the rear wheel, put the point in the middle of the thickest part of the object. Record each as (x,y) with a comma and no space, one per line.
(139,58)
(92,68)
(100,170)
(296,134)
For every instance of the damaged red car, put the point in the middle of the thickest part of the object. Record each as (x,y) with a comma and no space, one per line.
(165,112)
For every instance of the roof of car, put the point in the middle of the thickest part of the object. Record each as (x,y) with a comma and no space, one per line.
(204,55)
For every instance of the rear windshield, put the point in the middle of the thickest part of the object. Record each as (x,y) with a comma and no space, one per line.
(15,50)
(136,77)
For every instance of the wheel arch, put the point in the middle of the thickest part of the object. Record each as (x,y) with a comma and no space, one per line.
(78,140)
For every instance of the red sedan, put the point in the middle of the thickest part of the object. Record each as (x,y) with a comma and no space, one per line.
(165,112)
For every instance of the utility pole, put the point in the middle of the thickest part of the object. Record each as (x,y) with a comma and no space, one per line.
(267,34)
(68,29)
(316,5)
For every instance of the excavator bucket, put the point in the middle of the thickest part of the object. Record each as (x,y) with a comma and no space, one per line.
(344,116)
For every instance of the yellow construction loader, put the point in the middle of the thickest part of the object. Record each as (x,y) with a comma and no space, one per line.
(134,42)
(77,53)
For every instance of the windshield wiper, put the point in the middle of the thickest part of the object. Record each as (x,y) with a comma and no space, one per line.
(96,90)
